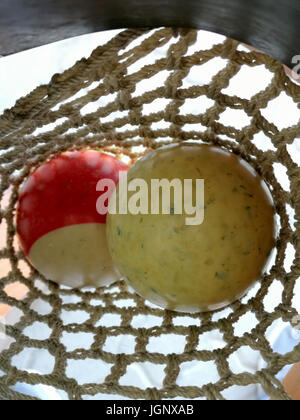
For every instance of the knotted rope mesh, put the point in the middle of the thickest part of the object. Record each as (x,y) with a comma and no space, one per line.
(101,102)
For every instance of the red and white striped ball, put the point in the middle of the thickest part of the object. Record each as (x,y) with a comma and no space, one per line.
(59,227)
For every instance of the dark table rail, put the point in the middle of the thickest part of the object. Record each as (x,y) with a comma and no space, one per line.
(270,25)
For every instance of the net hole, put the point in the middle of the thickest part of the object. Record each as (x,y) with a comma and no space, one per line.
(205,40)
(3,235)
(6,198)
(136,43)
(42,287)
(78,95)
(5,342)
(196,106)
(197,373)
(31,359)
(154,82)
(273,112)
(109,320)
(75,341)
(88,370)
(280,173)
(262,142)
(290,255)
(125,303)
(120,344)
(145,321)
(4,309)
(151,58)
(143,375)
(245,324)
(5,267)
(97,302)
(16,290)
(114,116)
(70,299)
(186,321)
(102,102)
(49,127)
(167,344)
(73,130)
(43,392)
(274,296)
(18,174)
(161,125)
(236,118)
(194,127)
(248,82)
(25,268)
(155,106)
(241,393)
(6,151)
(41,306)
(210,341)
(38,331)
(251,294)
(127,127)
(283,336)
(202,74)
(113,290)
(228,139)
(245,359)
(74,317)
(292,216)
(223,314)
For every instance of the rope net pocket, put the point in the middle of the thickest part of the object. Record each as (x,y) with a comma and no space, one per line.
(140,91)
